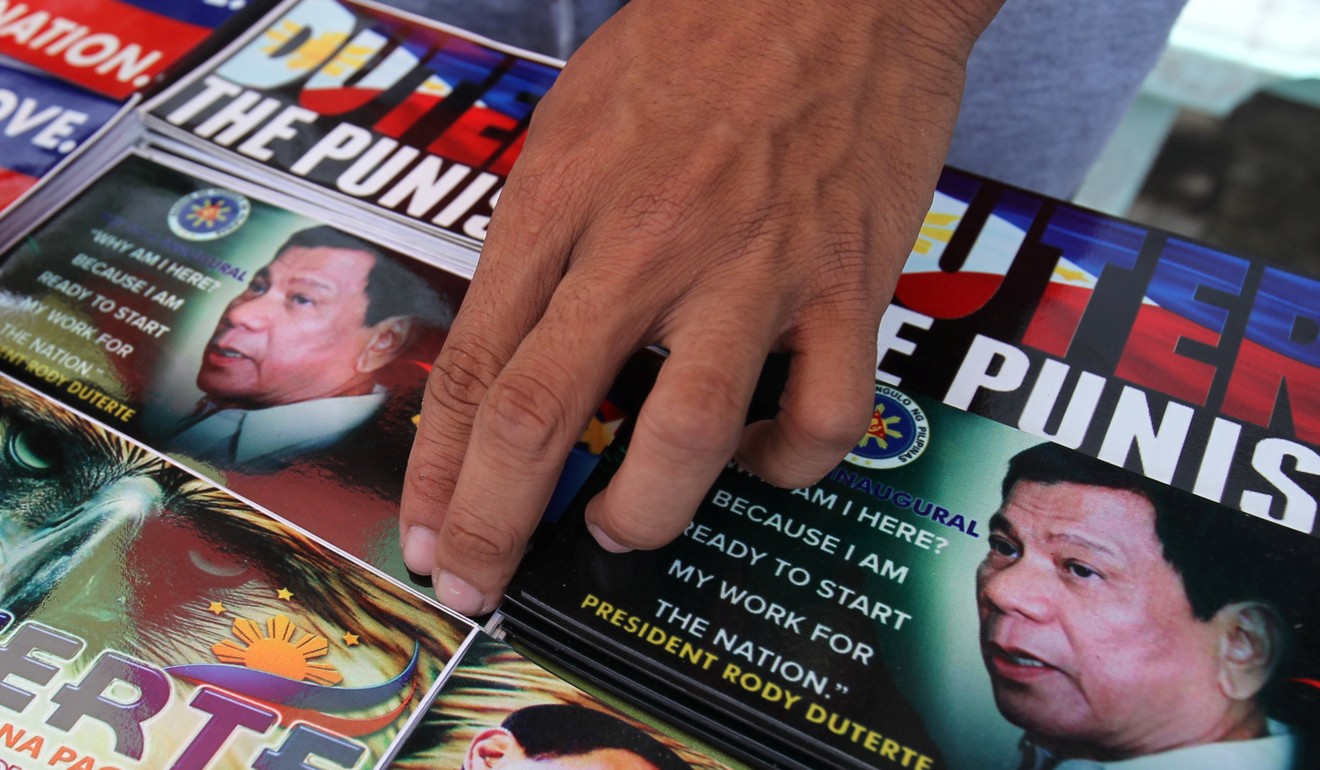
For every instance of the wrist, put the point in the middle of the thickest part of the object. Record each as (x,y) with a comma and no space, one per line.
(939,33)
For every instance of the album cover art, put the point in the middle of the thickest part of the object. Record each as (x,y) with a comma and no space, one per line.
(281,356)
(148,619)
(953,588)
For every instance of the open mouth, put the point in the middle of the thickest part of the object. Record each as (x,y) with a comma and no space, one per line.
(1015,663)
(1019,660)
(223,353)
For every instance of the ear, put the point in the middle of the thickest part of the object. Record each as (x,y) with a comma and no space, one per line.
(490,749)
(388,338)
(1249,647)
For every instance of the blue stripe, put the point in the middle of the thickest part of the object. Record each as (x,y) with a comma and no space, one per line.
(196,12)
(18,153)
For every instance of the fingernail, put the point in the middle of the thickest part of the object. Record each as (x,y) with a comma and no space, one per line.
(455,593)
(419,550)
(605,541)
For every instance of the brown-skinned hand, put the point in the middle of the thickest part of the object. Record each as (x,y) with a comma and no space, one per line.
(720,179)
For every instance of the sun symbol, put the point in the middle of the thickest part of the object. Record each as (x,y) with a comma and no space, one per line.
(209,213)
(278,36)
(936,227)
(882,428)
(275,651)
(314,50)
(310,53)
(349,59)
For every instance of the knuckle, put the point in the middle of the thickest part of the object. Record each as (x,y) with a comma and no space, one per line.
(828,430)
(812,440)
(481,542)
(698,416)
(430,479)
(463,373)
(524,414)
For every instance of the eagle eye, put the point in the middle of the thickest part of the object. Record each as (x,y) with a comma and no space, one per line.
(31,449)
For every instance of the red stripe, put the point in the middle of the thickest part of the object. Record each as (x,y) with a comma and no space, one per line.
(1149,357)
(1259,375)
(129,23)
(1055,321)
(947,295)
(336,101)
(353,728)
(12,185)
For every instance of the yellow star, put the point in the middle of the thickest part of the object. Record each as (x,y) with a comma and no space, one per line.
(216,607)
(284,594)
(351,639)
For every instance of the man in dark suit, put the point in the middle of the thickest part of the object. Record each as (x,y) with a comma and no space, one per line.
(1122,618)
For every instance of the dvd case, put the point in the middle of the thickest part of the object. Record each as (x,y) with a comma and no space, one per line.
(44,121)
(371,106)
(52,135)
(929,604)
(499,707)
(955,593)
(281,357)
(117,48)
(232,328)
(1176,360)
(148,619)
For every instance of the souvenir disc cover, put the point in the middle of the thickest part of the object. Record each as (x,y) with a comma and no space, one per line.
(45,122)
(953,594)
(148,619)
(403,116)
(279,356)
(1169,357)
(112,47)
(499,706)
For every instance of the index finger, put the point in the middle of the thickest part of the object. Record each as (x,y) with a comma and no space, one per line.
(526,424)
(515,278)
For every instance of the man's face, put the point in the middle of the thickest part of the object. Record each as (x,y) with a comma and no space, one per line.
(295,334)
(1086,630)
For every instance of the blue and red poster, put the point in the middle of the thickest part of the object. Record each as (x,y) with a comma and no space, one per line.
(113,47)
(400,116)
(1171,358)
(42,122)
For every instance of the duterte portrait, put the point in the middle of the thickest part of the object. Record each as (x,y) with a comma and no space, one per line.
(1127,624)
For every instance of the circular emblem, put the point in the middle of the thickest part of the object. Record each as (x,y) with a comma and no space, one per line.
(208,214)
(898,434)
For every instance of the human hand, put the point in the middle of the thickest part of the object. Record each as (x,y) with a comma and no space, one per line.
(721,179)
